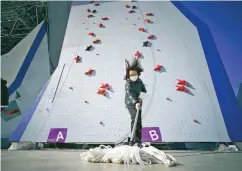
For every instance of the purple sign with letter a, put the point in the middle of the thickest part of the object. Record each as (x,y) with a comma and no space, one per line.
(151,134)
(57,135)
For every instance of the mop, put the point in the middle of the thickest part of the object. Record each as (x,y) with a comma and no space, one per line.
(125,154)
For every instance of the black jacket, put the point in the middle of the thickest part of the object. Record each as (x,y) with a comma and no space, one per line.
(4,93)
(132,91)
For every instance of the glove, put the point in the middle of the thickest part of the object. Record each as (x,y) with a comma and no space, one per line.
(137,106)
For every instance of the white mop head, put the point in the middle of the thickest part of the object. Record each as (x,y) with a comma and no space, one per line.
(128,155)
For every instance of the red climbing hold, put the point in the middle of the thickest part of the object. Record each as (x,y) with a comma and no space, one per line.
(105,86)
(77,59)
(96,41)
(105,18)
(196,121)
(101,92)
(181,88)
(90,15)
(149,14)
(148,21)
(97,4)
(11,112)
(88,10)
(150,36)
(100,25)
(131,11)
(127,6)
(157,68)
(89,72)
(182,82)
(91,34)
(137,54)
(141,29)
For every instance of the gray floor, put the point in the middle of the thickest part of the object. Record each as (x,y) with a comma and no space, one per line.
(69,160)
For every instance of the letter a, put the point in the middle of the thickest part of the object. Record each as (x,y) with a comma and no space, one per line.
(59,136)
(153,135)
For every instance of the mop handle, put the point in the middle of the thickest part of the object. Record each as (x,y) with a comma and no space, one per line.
(135,125)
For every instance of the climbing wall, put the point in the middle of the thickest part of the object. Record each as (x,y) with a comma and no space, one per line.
(26,69)
(84,100)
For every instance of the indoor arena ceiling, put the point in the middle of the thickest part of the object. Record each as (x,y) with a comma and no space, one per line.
(18,19)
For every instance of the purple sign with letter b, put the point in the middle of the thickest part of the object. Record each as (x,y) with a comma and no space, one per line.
(57,135)
(151,134)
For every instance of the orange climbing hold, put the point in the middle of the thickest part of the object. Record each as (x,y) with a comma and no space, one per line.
(127,6)
(137,54)
(141,29)
(148,21)
(131,11)
(96,41)
(181,88)
(91,34)
(157,68)
(105,18)
(89,72)
(151,36)
(97,4)
(149,14)
(100,25)
(105,86)
(101,92)
(182,82)
(77,59)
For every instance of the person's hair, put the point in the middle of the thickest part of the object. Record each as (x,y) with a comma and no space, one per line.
(134,65)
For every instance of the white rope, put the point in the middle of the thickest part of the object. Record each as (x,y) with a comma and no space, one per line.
(125,154)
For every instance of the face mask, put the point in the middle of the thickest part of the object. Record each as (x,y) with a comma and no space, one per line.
(134,78)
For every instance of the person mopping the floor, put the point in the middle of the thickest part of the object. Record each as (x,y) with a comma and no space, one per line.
(133,88)
(131,153)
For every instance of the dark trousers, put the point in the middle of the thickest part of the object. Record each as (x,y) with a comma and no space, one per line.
(132,111)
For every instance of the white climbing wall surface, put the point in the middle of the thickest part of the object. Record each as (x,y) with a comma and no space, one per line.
(188,113)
